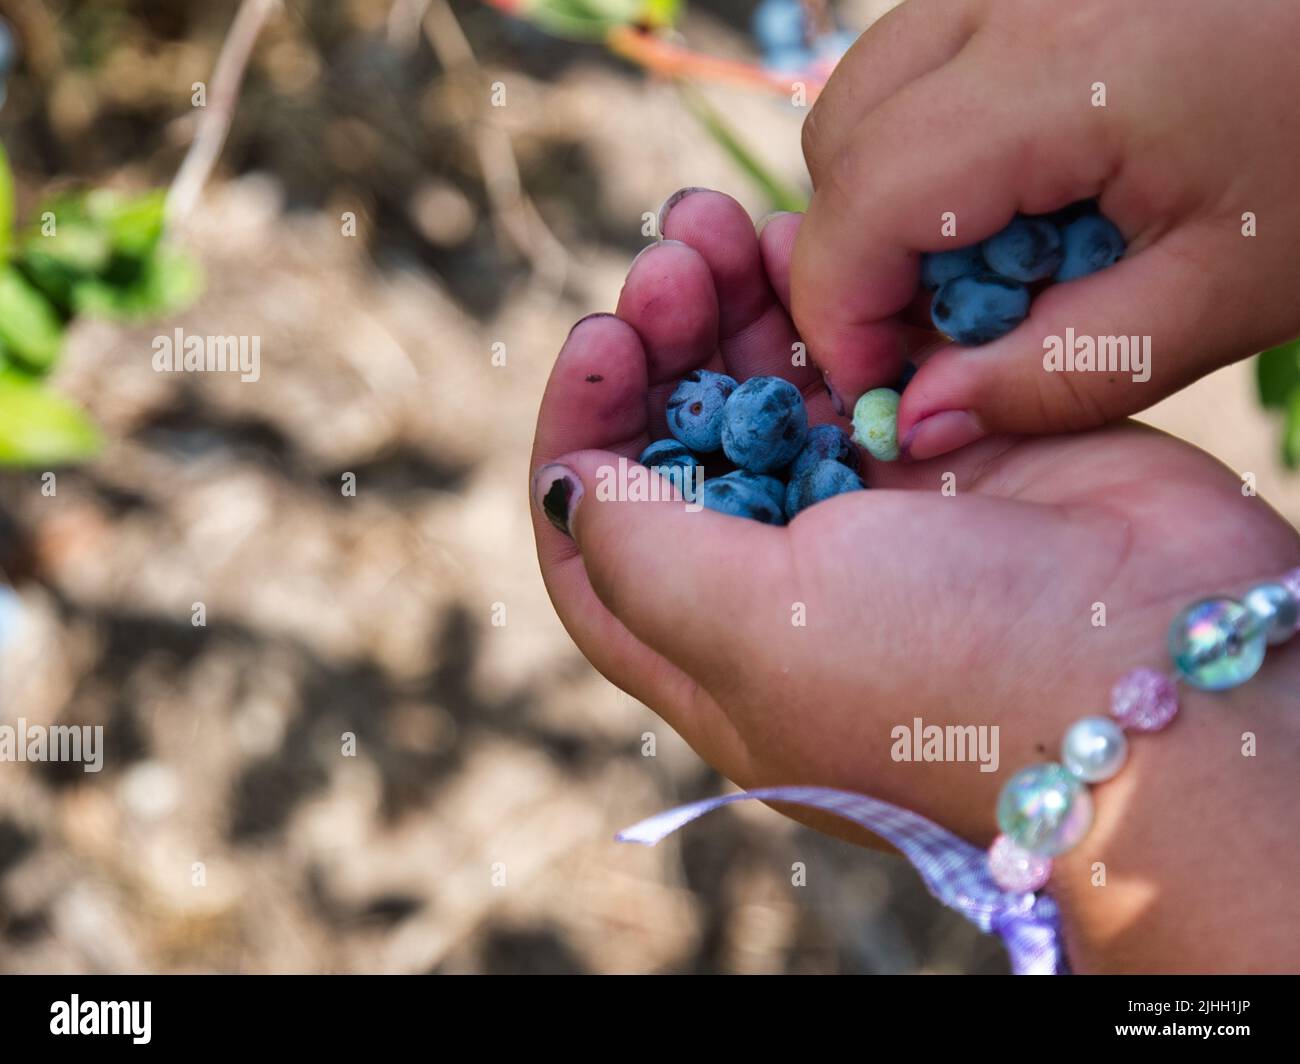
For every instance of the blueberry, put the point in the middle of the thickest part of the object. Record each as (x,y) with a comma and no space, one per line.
(875,423)
(764,424)
(1029,249)
(778,24)
(825,441)
(821,481)
(729,495)
(773,488)
(695,409)
(939,267)
(672,460)
(905,377)
(979,308)
(1090,243)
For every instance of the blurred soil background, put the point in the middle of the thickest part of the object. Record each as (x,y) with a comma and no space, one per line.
(472,830)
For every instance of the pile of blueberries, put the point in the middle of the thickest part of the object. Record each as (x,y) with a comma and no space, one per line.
(758,431)
(761,459)
(781,29)
(983,291)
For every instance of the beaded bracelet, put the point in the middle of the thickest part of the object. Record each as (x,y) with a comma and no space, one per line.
(1216,644)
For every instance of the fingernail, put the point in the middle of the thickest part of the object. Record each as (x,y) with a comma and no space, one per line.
(774,215)
(582,321)
(837,404)
(672,202)
(940,433)
(557,492)
(651,247)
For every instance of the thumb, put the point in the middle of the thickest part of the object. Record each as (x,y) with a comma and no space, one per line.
(681,578)
(1091,351)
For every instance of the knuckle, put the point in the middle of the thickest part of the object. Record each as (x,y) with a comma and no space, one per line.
(812,140)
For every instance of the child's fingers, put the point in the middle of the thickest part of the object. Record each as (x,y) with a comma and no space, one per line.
(957,145)
(902,45)
(756,337)
(777,242)
(595,396)
(776,246)
(669,299)
(1132,334)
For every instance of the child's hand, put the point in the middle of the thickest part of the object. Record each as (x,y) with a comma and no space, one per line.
(970,608)
(985,108)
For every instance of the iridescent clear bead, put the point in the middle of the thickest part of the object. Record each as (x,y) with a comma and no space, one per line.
(1044,809)
(1291,581)
(1015,868)
(1276,608)
(1216,644)
(1094,749)
(1144,700)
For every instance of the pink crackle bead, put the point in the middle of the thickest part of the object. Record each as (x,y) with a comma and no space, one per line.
(1016,869)
(1291,581)
(1144,700)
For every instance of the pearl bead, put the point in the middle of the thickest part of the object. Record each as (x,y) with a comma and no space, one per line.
(1016,869)
(1144,700)
(1094,749)
(1276,609)
(1044,809)
(1216,643)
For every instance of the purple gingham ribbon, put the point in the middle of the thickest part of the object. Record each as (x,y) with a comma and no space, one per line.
(954,871)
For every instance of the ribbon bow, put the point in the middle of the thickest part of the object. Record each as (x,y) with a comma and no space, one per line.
(954,871)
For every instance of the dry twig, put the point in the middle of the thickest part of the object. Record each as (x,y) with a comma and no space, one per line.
(512,210)
(214,122)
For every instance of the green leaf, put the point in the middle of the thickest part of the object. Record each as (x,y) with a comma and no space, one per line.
(40,427)
(6,205)
(77,244)
(581,19)
(1277,372)
(54,278)
(135,225)
(167,281)
(781,196)
(1291,432)
(660,13)
(29,327)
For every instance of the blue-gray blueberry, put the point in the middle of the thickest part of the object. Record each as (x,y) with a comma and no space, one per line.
(825,442)
(1027,250)
(977,309)
(824,480)
(940,267)
(1089,243)
(764,424)
(774,489)
(729,495)
(695,409)
(672,459)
